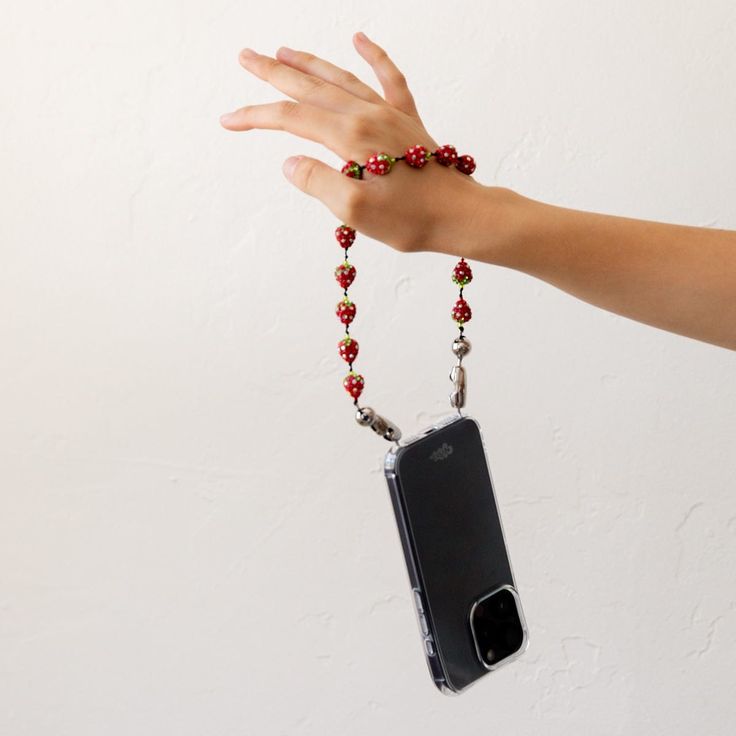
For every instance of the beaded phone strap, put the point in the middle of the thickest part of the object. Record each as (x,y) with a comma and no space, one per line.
(381,163)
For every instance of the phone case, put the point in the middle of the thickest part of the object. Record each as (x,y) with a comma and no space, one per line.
(468,608)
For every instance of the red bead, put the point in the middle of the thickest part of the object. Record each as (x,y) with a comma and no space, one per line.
(345,236)
(462,274)
(465,164)
(348,349)
(353,384)
(345,274)
(345,310)
(461,311)
(416,156)
(352,169)
(379,163)
(446,155)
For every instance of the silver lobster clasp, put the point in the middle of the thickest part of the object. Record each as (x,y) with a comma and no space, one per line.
(457,396)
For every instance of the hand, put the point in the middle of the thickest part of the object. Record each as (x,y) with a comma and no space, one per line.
(409,209)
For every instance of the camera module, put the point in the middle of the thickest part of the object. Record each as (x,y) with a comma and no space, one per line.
(497,627)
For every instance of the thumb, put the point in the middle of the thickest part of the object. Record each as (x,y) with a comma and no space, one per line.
(315,178)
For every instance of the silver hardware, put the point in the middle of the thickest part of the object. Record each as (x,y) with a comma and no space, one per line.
(364,416)
(461,346)
(367,417)
(457,376)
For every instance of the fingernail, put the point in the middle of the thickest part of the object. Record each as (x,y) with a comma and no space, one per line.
(290,164)
(226,117)
(248,53)
(362,36)
(285,51)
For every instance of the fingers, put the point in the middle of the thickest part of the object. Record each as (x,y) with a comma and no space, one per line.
(306,121)
(391,78)
(297,84)
(321,181)
(311,64)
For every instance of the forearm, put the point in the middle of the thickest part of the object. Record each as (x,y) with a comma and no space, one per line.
(676,277)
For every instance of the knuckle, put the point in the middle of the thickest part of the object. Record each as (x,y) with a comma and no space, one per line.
(304,174)
(315,86)
(306,171)
(361,127)
(381,55)
(347,78)
(287,109)
(397,77)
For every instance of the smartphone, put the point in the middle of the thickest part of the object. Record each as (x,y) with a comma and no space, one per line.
(467,604)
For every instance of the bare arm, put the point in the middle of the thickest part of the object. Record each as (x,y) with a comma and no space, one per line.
(676,277)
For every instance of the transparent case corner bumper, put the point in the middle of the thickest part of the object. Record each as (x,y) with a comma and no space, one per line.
(390,459)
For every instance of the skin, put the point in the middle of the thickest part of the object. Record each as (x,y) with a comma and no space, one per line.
(675,277)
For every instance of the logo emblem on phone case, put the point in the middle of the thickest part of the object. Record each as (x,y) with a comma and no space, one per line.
(442,452)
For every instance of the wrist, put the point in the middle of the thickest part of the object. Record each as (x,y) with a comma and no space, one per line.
(501,224)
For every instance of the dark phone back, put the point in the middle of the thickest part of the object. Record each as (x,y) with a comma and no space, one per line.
(450,527)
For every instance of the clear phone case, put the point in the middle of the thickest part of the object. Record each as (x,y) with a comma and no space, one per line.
(467,604)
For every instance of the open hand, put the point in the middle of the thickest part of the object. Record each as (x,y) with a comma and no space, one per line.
(408,209)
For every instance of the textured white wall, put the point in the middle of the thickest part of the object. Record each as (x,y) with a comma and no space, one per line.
(195,536)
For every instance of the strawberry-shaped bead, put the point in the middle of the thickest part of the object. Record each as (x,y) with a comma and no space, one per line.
(462,274)
(379,163)
(345,274)
(345,310)
(353,384)
(345,236)
(348,349)
(446,155)
(461,311)
(465,164)
(352,169)
(416,156)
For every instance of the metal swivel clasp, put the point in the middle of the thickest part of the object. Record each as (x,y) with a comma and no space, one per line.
(460,347)
(366,417)
(457,396)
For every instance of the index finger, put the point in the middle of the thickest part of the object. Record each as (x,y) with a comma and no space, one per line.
(298,85)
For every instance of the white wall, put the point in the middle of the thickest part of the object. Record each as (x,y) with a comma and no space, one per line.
(195,536)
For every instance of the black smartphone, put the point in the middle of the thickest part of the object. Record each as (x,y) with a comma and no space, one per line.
(467,604)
